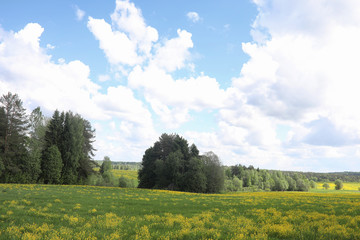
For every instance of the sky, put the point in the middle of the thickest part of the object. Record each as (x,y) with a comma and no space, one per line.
(269,83)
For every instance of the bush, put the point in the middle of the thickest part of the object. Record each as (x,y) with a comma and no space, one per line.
(338,184)
(127,183)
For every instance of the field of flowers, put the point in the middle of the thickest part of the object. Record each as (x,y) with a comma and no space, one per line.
(129,174)
(87,212)
(348,186)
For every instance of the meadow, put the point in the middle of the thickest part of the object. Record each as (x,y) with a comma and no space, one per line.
(348,187)
(87,212)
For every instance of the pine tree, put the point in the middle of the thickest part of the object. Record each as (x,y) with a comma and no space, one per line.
(71,152)
(13,138)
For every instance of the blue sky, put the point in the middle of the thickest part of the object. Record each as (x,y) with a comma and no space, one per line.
(269,83)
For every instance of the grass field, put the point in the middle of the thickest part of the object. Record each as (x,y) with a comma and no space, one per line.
(86,212)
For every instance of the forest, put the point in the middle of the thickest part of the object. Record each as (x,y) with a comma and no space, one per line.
(59,150)
(34,149)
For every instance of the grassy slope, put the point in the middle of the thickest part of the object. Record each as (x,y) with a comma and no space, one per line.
(68,212)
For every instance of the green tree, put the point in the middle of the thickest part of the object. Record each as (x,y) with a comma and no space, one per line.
(36,142)
(105,171)
(339,184)
(106,165)
(71,151)
(13,139)
(214,173)
(51,165)
(326,186)
(171,164)
(302,185)
(237,183)
(195,176)
(86,163)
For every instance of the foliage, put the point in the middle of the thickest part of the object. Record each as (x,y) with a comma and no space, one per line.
(86,212)
(265,180)
(14,127)
(171,164)
(51,171)
(27,143)
(339,184)
(326,186)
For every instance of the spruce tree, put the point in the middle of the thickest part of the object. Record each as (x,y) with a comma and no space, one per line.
(13,138)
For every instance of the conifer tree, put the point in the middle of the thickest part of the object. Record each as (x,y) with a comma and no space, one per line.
(13,138)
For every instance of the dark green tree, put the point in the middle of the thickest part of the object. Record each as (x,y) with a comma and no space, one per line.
(14,127)
(171,164)
(195,176)
(214,173)
(54,132)
(51,165)
(86,163)
(71,148)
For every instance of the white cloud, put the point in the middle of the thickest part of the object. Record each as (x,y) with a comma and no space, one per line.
(193,16)
(173,99)
(173,54)
(129,19)
(80,14)
(302,72)
(26,69)
(118,48)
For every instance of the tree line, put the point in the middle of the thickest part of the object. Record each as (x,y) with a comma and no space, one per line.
(34,149)
(240,177)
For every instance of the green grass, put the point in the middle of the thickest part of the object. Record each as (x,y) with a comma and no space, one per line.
(86,212)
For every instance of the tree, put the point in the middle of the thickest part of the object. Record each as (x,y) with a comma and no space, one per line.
(106,165)
(338,184)
(326,186)
(13,139)
(71,152)
(237,184)
(86,164)
(171,164)
(195,176)
(105,171)
(51,165)
(214,173)
(73,136)
(36,142)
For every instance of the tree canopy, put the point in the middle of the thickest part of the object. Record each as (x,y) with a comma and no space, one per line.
(172,164)
(34,149)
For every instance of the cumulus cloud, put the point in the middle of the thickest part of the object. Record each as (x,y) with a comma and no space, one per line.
(193,16)
(173,54)
(302,73)
(173,99)
(118,48)
(27,69)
